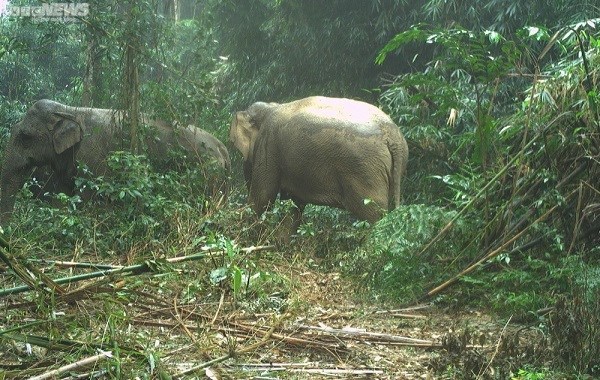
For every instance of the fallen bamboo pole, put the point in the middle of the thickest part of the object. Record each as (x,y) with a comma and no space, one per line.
(127,270)
(309,368)
(74,264)
(78,364)
(368,336)
(28,274)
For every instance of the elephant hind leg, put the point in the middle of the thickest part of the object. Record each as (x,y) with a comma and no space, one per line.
(370,207)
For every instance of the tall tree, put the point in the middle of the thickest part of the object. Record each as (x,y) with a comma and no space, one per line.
(291,48)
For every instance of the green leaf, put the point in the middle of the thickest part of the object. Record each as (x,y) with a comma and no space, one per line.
(151,362)
(411,35)
(533,30)
(237,280)
(494,37)
(218,275)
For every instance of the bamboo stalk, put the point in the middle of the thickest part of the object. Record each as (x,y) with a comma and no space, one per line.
(78,364)
(132,269)
(128,270)
(490,255)
(74,264)
(4,244)
(266,338)
(30,275)
(488,186)
(366,335)
(484,370)
(404,309)
(290,339)
(309,370)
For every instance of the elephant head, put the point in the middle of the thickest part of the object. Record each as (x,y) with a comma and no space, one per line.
(46,136)
(244,130)
(55,136)
(319,150)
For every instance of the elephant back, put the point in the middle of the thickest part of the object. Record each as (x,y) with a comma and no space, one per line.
(102,133)
(318,112)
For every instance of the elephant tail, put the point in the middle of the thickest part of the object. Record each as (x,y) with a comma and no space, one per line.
(399,152)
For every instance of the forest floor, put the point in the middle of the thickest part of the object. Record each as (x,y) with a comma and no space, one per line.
(308,322)
(334,330)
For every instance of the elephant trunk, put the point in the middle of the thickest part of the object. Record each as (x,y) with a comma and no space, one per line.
(248,173)
(12,178)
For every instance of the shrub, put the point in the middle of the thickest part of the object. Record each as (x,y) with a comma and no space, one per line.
(574,326)
(391,261)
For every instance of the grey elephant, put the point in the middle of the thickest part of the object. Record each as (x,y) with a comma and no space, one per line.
(326,151)
(56,136)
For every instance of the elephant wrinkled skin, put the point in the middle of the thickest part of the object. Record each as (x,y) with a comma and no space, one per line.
(55,135)
(325,151)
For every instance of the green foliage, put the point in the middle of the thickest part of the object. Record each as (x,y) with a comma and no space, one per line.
(252,288)
(138,214)
(182,76)
(136,203)
(462,75)
(526,374)
(390,259)
(450,110)
(471,76)
(284,50)
(506,16)
(331,233)
(10,114)
(136,189)
(493,81)
(574,327)
(35,63)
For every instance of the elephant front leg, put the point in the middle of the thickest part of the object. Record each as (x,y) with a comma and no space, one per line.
(11,183)
(264,186)
(290,222)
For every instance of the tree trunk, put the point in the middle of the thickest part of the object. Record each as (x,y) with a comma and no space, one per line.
(88,78)
(131,82)
(171,9)
(132,97)
(176,10)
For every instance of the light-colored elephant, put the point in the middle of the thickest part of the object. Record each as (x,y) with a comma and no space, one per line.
(326,151)
(56,136)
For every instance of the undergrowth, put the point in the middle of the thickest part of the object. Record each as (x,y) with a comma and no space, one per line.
(391,259)
(574,326)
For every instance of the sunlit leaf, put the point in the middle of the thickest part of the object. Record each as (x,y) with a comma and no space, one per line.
(533,30)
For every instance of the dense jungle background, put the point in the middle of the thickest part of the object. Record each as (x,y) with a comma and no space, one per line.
(490,269)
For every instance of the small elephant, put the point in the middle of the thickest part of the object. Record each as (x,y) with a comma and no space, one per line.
(56,136)
(326,151)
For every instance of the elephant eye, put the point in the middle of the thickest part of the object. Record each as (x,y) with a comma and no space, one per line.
(25,139)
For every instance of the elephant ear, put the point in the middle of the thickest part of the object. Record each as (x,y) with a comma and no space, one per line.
(66,132)
(242,133)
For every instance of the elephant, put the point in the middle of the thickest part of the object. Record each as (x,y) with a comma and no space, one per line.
(55,136)
(326,151)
